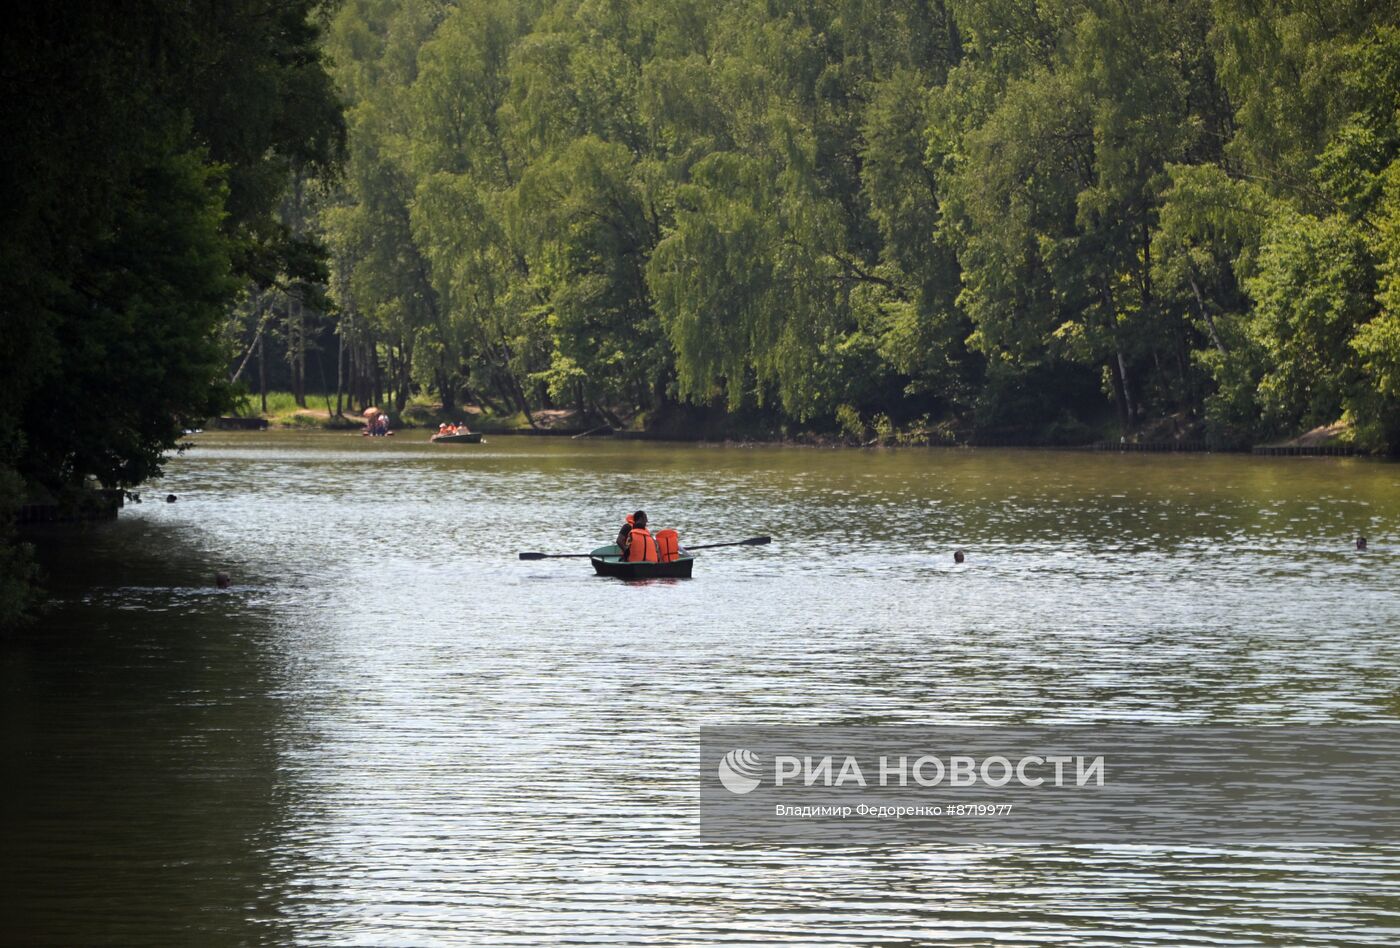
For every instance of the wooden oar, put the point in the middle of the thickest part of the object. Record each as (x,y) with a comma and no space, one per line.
(751,541)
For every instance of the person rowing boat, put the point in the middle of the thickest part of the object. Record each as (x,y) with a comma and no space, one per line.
(673,561)
(635,540)
(637,544)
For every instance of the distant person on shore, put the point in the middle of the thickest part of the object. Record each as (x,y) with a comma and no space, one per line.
(1361,544)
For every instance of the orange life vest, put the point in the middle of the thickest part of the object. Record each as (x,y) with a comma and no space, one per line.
(641,546)
(668,545)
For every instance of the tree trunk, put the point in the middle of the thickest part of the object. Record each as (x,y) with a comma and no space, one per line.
(362,392)
(339,373)
(378,375)
(1205,313)
(1118,365)
(516,395)
(524,402)
(1183,364)
(1115,371)
(405,374)
(353,395)
(369,375)
(446,391)
(262,371)
(607,415)
(297,321)
(481,399)
(391,372)
(1127,388)
(261,323)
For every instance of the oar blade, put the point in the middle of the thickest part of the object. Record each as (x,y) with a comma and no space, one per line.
(751,541)
(533,556)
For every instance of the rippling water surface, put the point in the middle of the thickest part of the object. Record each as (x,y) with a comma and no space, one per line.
(391,730)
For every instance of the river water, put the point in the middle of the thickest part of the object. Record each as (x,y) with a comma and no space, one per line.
(393,731)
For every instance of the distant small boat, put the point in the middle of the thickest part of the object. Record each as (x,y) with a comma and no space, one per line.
(607,561)
(472,437)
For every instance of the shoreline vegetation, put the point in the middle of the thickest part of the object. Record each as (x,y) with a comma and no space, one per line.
(974,221)
(984,220)
(146,158)
(1166,435)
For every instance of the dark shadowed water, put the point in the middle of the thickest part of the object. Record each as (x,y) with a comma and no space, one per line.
(391,730)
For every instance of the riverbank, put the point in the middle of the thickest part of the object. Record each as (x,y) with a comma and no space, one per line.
(1165,435)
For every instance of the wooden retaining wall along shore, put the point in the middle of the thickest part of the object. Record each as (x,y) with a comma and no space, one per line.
(239,424)
(1150,446)
(1264,450)
(993,441)
(1294,450)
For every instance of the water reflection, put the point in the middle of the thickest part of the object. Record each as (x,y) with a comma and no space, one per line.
(395,731)
(142,801)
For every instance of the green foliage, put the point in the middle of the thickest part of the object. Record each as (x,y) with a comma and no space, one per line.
(140,323)
(849,421)
(1315,286)
(965,210)
(144,155)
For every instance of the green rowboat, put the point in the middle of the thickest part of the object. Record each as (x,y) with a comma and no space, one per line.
(470,438)
(607,561)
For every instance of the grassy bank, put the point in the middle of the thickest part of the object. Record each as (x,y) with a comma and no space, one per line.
(852,429)
(283,412)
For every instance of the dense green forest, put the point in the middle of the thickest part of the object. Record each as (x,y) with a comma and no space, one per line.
(1035,216)
(1050,218)
(145,155)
